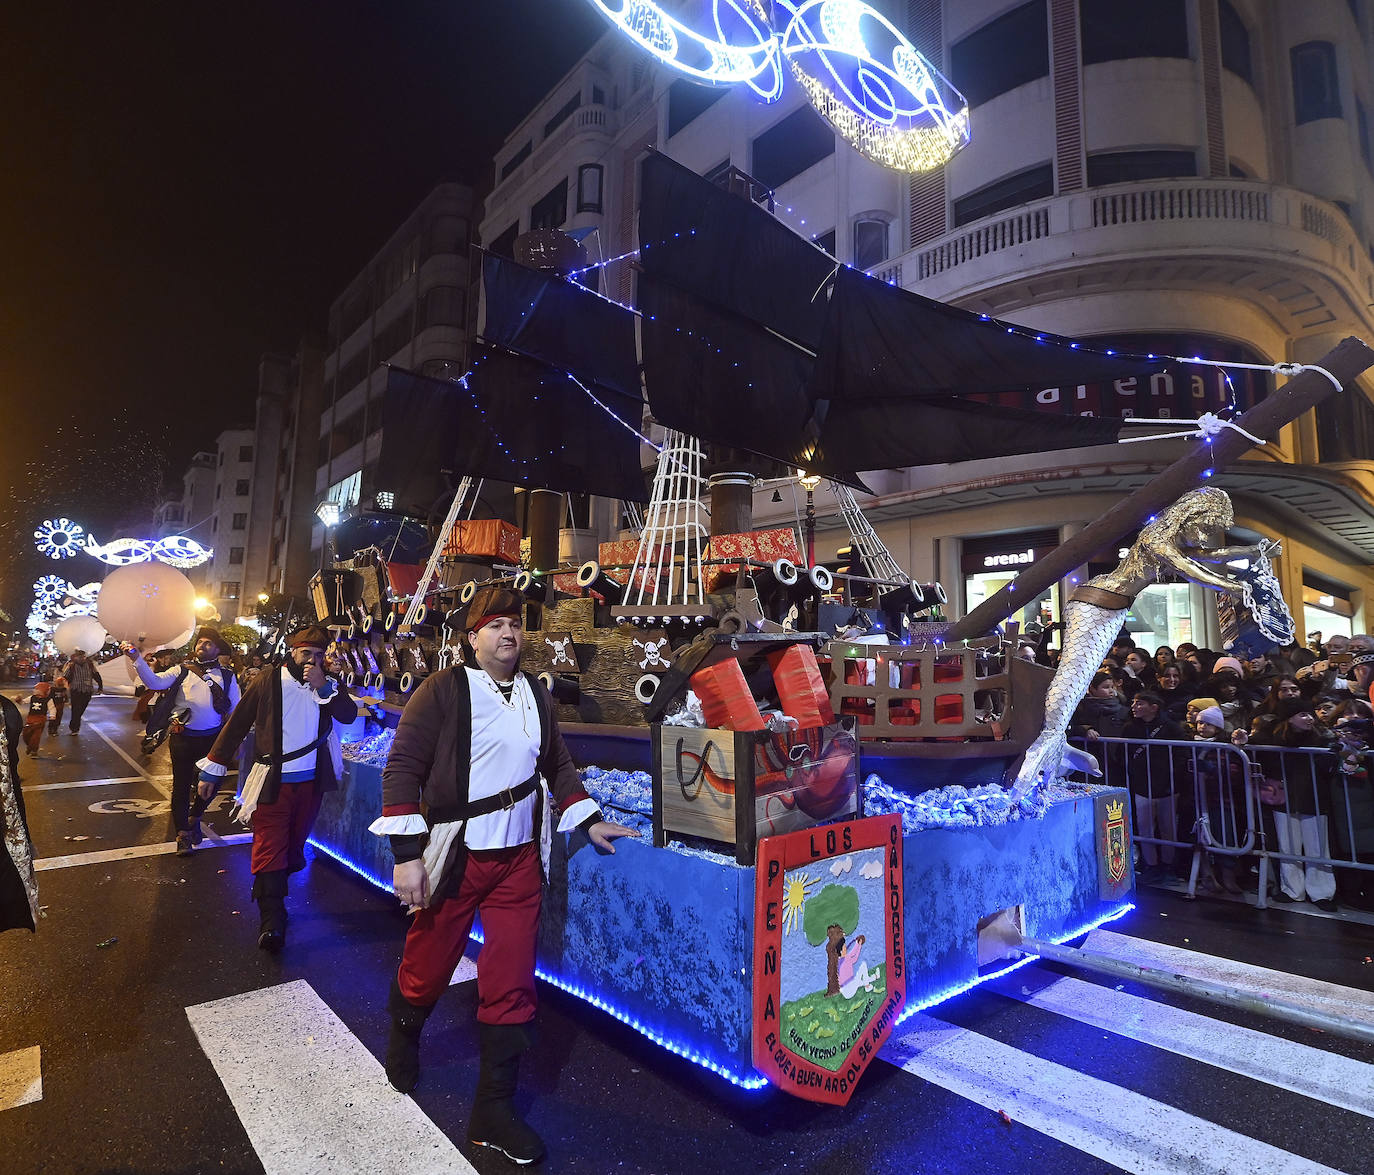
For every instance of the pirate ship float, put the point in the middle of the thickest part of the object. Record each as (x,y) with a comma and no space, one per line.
(746,335)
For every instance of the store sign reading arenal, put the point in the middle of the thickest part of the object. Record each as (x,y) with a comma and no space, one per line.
(829,969)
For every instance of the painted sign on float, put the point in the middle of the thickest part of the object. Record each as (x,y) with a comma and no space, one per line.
(829,976)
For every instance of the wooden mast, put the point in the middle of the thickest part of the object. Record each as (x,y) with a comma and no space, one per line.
(1307,389)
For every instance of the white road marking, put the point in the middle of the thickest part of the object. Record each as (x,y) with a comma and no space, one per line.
(1310,993)
(161,788)
(21,1078)
(310,1096)
(128,854)
(1286,1064)
(91,782)
(1117,1125)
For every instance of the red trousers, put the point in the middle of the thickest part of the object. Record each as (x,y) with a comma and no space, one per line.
(281,828)
(33,732)
(506,886)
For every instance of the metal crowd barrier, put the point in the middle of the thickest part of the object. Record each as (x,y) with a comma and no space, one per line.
(1274,805)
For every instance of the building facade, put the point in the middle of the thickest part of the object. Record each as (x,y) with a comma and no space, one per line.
(409,307)
(1187,177)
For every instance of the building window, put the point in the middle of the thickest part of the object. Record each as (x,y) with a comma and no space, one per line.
(443,306)
(870,242)
(517,159)
(564,113)
(245,452)
(1021,188)
(1113,31)
(1010,51)
(788,148)
(589,177)
(217,490)
(598,96)
(240,522)
(1316,87)
(221,457)
(825,242)
(552,210)
(229,589)
(1345,428)
(1120,167)
(1235,42)
(214,525)
(235,554)
(688,101)
(1362,128)
(241,488)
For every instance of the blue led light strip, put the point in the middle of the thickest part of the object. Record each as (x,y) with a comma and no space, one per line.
(932,1001)
(686,1051)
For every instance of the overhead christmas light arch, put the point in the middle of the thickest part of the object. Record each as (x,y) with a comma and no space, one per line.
(176,550)
(859,71)
(730,42)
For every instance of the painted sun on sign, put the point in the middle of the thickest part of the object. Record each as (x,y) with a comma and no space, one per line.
(857,68)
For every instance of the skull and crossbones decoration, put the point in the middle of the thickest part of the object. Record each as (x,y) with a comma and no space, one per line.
(655,650)
(562,657)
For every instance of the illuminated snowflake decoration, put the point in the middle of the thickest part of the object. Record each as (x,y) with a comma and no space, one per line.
(59,538)
(51,587)
(857,68)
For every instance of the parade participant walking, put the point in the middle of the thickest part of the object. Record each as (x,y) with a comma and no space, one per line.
(480,747)
(203,693)
(83,683)
(291,712)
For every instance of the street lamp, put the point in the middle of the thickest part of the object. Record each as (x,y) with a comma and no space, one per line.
(329,513)
(809,482)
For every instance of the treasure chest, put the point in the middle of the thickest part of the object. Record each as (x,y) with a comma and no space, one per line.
(484,539)
(731,787)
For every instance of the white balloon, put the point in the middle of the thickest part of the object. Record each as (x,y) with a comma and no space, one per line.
(177,641)
(79,632)
(146,603)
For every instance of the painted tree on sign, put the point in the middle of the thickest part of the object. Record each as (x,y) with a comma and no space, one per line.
(830,916)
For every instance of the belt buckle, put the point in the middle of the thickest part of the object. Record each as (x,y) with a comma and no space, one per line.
(510,800)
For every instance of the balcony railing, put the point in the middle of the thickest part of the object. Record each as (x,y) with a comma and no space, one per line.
(1179,202)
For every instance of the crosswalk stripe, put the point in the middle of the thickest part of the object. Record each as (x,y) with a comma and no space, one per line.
(1313,1072)
(1116,1125)
(21,1077)
(156,781)
(310,1096)
(32,787)
(101,856)
(1315,994)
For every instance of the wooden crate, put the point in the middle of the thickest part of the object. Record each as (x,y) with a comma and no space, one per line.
(733,786)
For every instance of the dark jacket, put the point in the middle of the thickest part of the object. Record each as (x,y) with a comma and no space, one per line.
(1149,770)
(1107,716)
(1307,777)
(259,710)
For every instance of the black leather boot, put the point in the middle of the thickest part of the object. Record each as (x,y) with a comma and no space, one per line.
(269,891)
(495,1122)
(403,1046)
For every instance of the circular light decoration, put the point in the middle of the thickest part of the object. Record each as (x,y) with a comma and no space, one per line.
(721,42)
(51,587)
(867,80)
(59,538)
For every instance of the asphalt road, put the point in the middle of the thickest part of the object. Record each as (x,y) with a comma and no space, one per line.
(142,1031)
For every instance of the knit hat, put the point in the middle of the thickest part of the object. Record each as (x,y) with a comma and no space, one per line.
(1227,663)
(314,636)
(491,602)
(1213,717)
(1362,659)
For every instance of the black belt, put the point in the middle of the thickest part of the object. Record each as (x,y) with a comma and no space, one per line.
(505,799)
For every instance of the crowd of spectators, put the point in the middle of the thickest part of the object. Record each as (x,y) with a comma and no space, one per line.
(1301,716)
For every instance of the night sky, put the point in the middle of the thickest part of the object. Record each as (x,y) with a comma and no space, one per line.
(183,188)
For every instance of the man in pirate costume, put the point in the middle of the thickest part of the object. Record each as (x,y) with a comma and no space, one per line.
(479,748)
(292,712)
(202,692)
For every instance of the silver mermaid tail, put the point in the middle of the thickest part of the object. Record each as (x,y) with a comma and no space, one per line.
(1088,633)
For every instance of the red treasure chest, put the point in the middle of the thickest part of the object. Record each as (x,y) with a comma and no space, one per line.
(726,702)
(484,538)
